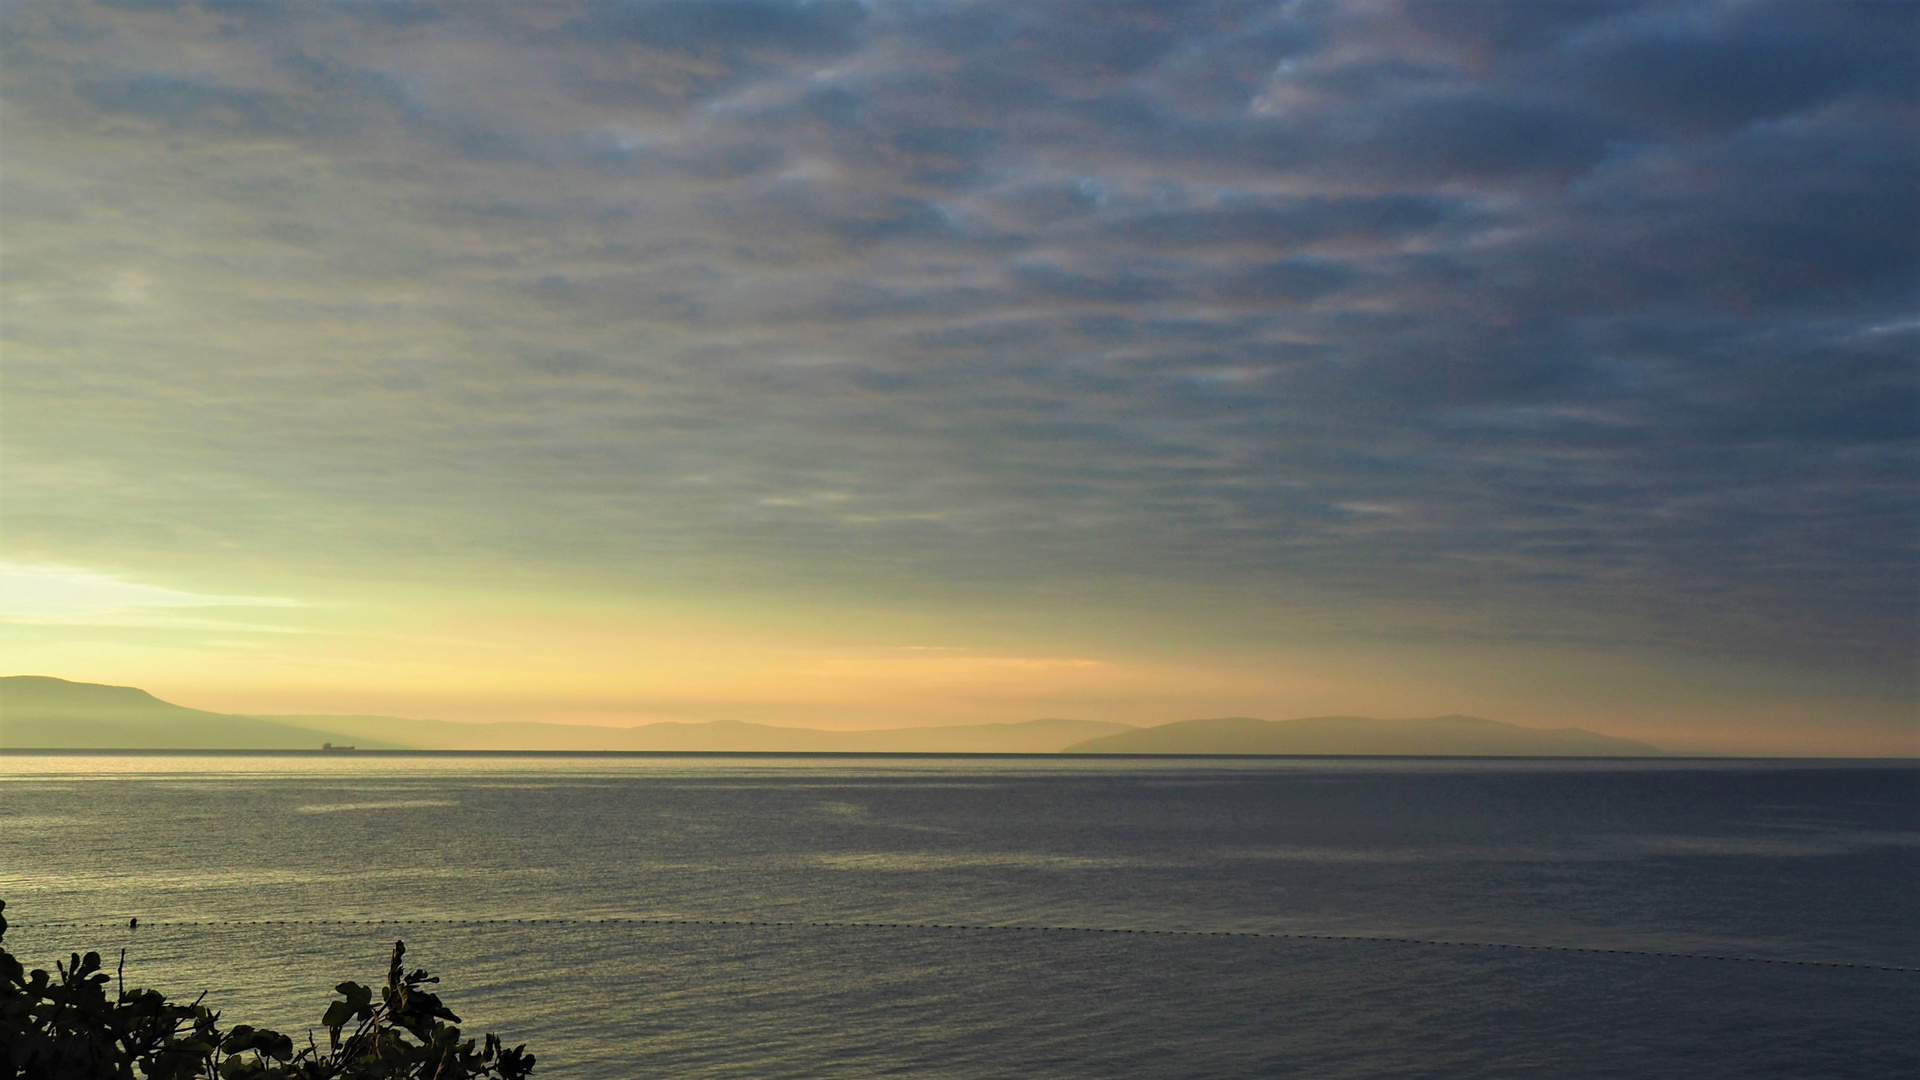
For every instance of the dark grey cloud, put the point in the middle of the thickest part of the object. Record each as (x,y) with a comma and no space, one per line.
(1290,280)
(725,28)
(1487,30)
(1290,222)
(1597,315)
(1715,71)
(192,103)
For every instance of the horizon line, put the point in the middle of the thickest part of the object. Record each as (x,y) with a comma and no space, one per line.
(340,752)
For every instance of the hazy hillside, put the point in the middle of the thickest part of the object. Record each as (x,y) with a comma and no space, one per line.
(1031,737)
(37,712)
(40,712)
(1441,735)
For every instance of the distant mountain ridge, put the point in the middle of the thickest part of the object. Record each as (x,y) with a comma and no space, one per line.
(724,736)
(1445,736)
(39,712)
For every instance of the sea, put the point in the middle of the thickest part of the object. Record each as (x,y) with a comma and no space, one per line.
(657,916)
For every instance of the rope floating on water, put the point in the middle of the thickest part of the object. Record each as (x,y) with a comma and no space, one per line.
(982,927)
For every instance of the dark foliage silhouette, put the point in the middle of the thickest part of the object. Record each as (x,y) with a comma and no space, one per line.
(79,1022)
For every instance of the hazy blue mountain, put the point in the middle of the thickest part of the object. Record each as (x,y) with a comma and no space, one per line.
(1466,736)
(40,712)
(37,712)
(1031,737)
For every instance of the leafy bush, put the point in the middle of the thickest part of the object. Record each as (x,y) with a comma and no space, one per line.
(69,1028)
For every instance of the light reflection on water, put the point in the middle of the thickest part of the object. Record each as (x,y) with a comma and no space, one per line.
(1783,860)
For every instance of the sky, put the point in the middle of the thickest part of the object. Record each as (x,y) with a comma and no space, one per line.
(894,363)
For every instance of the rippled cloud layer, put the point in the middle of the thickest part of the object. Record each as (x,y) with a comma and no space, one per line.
(1519,321)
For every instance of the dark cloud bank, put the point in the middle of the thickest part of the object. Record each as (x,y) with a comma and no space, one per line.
(1589,320)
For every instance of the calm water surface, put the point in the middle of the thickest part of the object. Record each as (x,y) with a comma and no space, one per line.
(1756,860)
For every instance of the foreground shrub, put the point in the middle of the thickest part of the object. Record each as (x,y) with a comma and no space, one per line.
(70,1028)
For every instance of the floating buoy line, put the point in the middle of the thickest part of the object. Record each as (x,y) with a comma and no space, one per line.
(973,927)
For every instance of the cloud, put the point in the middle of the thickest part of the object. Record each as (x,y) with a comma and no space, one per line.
(1605,300)
(58,594)
(1716,68)
(726,28)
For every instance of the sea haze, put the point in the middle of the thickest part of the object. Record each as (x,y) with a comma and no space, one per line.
(1764,865)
